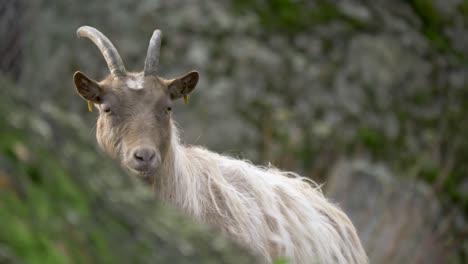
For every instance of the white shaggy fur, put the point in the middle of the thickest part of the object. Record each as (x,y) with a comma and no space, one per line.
(135,83)
(274,213)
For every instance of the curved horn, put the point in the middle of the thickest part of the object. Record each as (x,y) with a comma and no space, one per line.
(152,56)
(112,57)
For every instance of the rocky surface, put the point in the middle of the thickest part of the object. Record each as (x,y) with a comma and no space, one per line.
(399,220)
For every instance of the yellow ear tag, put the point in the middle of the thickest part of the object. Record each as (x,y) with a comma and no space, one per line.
(185,99)
(90,106)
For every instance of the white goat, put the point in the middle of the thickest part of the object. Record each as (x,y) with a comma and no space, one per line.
(275,214)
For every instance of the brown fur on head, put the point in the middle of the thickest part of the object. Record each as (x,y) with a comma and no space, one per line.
(134,110)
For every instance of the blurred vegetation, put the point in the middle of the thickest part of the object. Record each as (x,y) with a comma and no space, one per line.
(291,16)
(68,204)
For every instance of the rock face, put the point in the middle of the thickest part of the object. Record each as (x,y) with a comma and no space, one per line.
(399,221)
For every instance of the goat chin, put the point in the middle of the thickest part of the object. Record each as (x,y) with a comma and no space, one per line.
(274,213)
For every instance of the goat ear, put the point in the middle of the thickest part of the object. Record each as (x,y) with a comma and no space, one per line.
(182,86)
(87,88)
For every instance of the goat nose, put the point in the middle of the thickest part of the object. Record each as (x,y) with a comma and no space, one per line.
(143,155)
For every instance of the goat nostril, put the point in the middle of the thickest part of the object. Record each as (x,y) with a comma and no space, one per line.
(137,156)
(143,155)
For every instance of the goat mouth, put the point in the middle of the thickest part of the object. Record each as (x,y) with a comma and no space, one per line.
(141,173)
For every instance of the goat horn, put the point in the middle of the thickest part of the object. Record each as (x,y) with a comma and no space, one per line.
(152,56)
(112,57)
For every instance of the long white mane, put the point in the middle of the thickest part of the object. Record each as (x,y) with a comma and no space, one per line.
(274,213)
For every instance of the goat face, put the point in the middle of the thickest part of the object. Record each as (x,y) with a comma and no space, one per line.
(134,110)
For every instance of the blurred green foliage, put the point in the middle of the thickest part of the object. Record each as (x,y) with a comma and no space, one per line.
(433,25)
(39,204)
(289,16)
(281,261)
(67,204)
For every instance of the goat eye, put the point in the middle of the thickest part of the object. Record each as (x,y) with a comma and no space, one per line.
(106,109)
(169,108)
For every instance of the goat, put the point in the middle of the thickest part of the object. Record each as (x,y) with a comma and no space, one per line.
(276,214)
